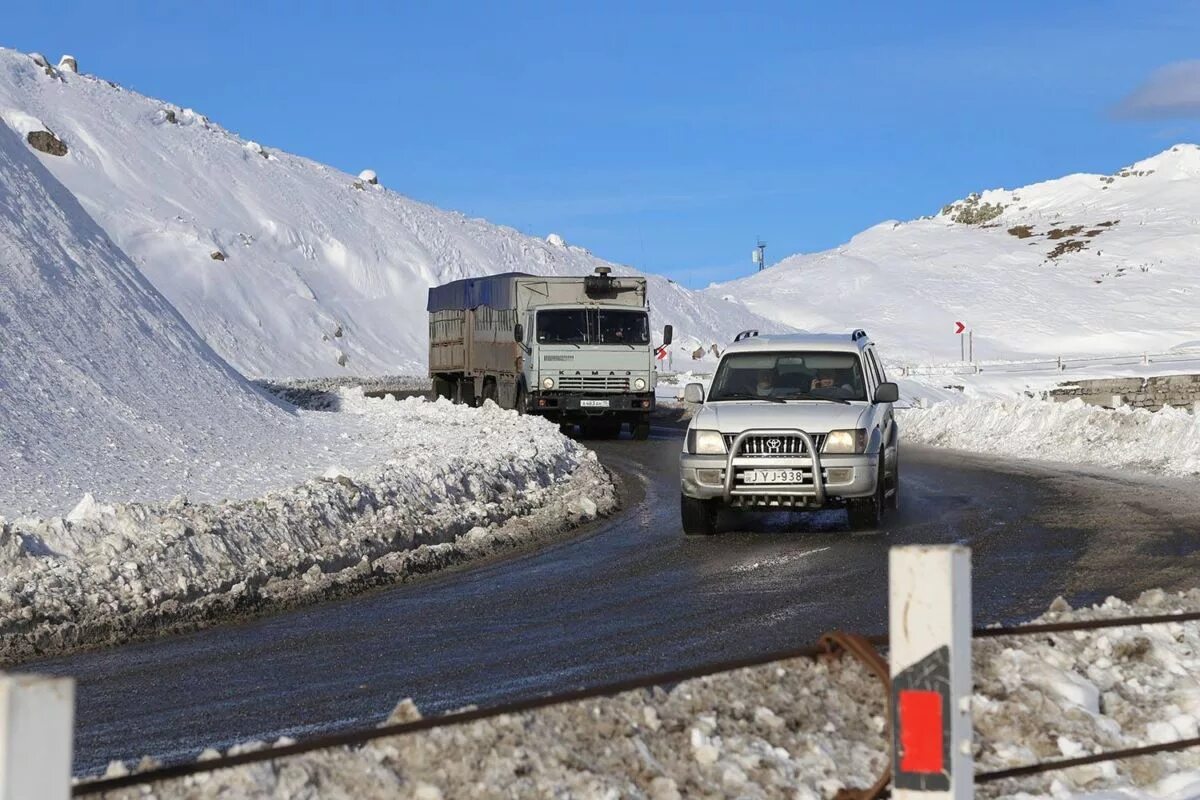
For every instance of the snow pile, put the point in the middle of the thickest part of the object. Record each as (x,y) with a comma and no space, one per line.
(103,387)
(1062,696)
(798,729)
(109,572)
(755,733)
(319,278)
(1086,264)
(1167,441)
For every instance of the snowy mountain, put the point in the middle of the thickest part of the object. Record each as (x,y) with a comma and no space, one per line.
(283,265)
(99,375)
(1086,264)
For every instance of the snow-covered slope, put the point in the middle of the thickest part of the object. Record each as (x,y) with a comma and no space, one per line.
(101,380)
(1085,264)
(315,273)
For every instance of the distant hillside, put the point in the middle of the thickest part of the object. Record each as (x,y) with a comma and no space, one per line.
(1082,264)
(285,266)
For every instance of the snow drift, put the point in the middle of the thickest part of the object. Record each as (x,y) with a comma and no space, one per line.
(286,267)
(1166,441)
(1086,264)
(110,572)
(102,384)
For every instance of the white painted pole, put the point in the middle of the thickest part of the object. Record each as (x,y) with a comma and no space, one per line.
(37,726)
(930,642)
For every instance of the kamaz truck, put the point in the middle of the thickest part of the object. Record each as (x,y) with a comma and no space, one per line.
(575,350)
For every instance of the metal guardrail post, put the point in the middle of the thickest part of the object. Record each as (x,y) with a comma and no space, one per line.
(930,641)
(37,728)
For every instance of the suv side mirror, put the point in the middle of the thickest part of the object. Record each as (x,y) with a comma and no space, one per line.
(694,393)
(668,335)
(887,393)
(519,333)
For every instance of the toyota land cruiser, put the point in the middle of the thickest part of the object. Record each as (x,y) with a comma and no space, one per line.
(799,422)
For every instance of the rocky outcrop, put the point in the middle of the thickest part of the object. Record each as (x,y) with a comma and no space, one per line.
(1180,391)
(46,142)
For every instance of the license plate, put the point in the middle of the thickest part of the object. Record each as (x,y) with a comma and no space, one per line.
(773,476)
(593,403)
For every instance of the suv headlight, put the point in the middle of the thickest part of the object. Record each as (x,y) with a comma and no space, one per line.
(639,384)
(705,443)
(852,441)
(547,383)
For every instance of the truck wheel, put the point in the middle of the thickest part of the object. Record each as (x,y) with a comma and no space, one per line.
(519,403)
(866,513)
(699,517)
(641,429)
(466,392)
(490,392)
(443,388)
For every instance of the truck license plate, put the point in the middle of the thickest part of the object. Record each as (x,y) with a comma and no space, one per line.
(593,403)
(773,476)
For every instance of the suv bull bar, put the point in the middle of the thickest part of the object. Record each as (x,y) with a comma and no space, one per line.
(817,491)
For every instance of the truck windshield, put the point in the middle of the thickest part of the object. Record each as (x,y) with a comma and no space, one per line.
(789,376)
(565,326)
(592,326)
(623,327)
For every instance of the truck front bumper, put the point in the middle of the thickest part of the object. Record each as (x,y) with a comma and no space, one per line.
(837,478)
(579,404)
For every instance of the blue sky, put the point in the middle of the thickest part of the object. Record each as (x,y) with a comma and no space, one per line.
(664,135)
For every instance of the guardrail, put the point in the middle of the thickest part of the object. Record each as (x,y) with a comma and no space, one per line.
(1059,364)
(928,685)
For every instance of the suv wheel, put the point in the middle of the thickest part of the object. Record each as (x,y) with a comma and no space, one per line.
(894,500)
(699,517)
(866,513)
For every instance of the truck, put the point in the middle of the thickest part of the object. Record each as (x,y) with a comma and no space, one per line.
(573,349)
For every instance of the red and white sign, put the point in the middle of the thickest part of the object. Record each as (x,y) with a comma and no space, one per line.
(959,327)
(661,353)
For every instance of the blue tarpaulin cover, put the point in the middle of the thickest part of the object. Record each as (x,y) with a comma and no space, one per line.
(494,291)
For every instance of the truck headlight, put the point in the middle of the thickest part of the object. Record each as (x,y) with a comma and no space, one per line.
(639,384)
(547,383)
(705,443)
(852,441)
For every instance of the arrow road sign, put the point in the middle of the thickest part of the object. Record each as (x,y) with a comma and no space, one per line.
(959,327)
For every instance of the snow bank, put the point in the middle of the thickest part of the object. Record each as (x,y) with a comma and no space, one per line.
(111,572)
(1167,441)
(798,729)
(754,733)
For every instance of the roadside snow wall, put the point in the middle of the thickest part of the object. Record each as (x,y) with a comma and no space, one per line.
(1166,441)
(111,573)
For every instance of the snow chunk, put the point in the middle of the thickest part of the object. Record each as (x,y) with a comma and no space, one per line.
(68,64)
(369,176)
(556,240)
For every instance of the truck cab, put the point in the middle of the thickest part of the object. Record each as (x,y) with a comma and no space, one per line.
(797,422)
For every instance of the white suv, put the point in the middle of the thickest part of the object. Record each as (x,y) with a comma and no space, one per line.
(798,422)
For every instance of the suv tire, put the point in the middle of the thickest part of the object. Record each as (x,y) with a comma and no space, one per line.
(699,517)
(866,513)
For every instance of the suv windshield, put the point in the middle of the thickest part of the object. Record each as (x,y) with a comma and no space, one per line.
(789,376)
(592,326)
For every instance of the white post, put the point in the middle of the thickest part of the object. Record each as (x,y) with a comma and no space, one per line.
(930,643)
(37,726)
(1117,401)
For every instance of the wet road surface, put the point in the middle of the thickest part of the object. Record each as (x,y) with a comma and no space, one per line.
(630,596)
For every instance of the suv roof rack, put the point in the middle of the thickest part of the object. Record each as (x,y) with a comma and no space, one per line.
(858,333)
(745,335)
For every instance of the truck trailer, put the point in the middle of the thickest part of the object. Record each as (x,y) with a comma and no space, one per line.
(575,350)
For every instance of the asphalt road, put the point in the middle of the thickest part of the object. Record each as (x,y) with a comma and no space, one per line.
(630,596)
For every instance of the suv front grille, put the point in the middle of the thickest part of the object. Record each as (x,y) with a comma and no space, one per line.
(593,383)
(771,446)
